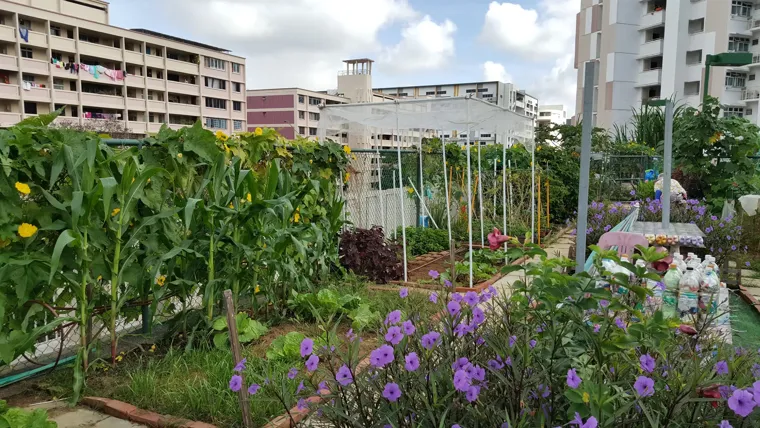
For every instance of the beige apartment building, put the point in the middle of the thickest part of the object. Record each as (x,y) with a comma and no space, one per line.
(63,54)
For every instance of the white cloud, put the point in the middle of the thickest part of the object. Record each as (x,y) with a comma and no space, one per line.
(293,42)
(534,34)
(559,85)
(424,45)
(495,71)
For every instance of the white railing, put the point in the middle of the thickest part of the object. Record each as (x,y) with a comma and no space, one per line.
(750,95)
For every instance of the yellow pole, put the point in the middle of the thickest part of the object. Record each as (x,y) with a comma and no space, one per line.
(472,205)
(539,209)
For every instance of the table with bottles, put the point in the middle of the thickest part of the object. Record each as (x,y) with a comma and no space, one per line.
(674,236)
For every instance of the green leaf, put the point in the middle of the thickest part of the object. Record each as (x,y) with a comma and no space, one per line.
(201,142)
(55,170)
(189,209)
(220,340)
(76,208)
(109,187)
(363,316)
(219,324)
(64,239)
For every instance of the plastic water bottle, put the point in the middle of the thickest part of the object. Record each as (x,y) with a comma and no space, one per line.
(672,278)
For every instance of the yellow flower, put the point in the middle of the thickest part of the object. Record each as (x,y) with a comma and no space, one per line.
(347,150)
(257,289)
(410,190)
(296,217)
(133,180)
(258,131)
(231,206)
(586,397)
(161,280)
(464,147)
(152,348)
(221,136)
(148,181)
(226,148)
(248,197)
(538,148)
(23,188)
(179,155)
(100,277)
(265,245)
(347,177)
(115,211)
(27,230)
(311,161)
(119,358)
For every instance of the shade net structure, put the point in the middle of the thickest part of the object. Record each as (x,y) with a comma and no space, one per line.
(402,125)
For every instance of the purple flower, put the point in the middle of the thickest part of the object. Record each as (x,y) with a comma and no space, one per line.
(462,381)
(472,393)
(254,388)
(343,376)
(430,340)
(756,392)
(746,263)
(301,404)
(447,283)
(532,343)
(457,298)
(412,362)
(240,366)
(434,297)
(408,327)
(713,218)
(455,426)
(307,347)
(434,274)
(478,316)
(496,364)
(459,364)
(393,318)
(741,402)
(720,225)
(721,368)
(381,356)
(508,361)
(644,386)
(709,229)
(300,388)
(236,382)
(512,341)
(733,248)
(403,293)
(392,392)
(292,373)
(724,424)
(633,193)
(604,303)
(471,298)
(453,307)
(619,322)
(597,327)
(647,363)
(312,363)
(590,422)
(573,381)
(394,335)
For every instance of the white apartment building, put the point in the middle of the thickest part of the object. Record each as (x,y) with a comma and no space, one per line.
(502,94)
(657,48)
(556,113)
(63,54)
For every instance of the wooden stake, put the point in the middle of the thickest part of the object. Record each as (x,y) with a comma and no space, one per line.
(453,261)
(539,209)
(548,223)
(236,355)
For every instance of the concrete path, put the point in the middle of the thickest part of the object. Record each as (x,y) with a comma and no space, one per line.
(560,248)
(80,417)
(751,280)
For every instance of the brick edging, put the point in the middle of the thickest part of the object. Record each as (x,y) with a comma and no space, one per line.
(749,298)
(126,411)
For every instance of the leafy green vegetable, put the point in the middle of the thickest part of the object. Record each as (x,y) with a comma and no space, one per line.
(248,330)
(14,417)
(363,316)
(286,347)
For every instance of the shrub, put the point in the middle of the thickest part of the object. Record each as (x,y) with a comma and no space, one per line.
(423,240)
(14,417)
(557,352)
(366,252)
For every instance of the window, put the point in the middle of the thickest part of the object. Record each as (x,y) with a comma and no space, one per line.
(696,25)
(172,55)
(236,87)
(430,93)
(751,77)
(313,116)
(754,42)
(214,63)
(58,84)
(471,91)
(301,130)
(403,94)
(301,114)
(89,39)
(237,125)
(312,131)
(735,80)
(216,83)
(481,90)
(26,52)
(487,95)
(25,23)
(235,67)
(485,135)
(748,112)
(738,44)
(237,106)
(741,8)
(729,111)
(315,101)
(694,57)
(545,113)
(300,99)
(441,92)
(691,88)
(55,30)
(30,108)
(216,103)
(213,122)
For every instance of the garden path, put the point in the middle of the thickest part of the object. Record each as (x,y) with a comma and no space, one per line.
(751,280)
(560,248)
(81,417)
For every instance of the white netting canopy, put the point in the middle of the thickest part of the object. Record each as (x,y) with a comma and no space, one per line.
(434,113)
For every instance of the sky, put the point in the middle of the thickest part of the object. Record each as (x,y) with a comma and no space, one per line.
(302,43)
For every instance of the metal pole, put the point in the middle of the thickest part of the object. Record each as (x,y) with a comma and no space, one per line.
(706,89)
(504,186)
(395,218)
(480,196)
(422,184)
(401,195)
(380,179)
(533,192)
(446,184)
(469,189)
(494,193)
(668,165)
(582,222)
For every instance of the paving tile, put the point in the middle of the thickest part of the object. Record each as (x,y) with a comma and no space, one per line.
(77,418)
(112,422)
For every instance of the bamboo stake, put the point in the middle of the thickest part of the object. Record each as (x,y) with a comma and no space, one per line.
(548,223)
(237,356)
(539,209)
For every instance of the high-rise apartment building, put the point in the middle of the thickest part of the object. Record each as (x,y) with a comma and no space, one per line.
(657,48)
(63,54)
(556,114)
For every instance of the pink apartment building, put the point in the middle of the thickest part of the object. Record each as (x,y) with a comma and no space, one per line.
(292,111)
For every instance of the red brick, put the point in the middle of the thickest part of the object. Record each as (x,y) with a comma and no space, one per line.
(145,417)
(198,425)
(97,403)
(169,421)
(119,409)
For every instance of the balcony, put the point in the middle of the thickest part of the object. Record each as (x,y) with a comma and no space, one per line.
(104,101)
(652,19)
(8,62)
(650,49)
(98,123)
(133,57)
(185,109)
(7,33)
(62,44)
(157,106)
(649,77)
(66,97)
(154,61)
(241,115)
(137,127)
(35,66)
(99,51)
(8,119)
(37,94)
(240,96)
(183,66)
(135,81)
(64,120)
(740,25)
(156,84)
(750,95)
(36,39)
(215,93)
(212,72)
(102,78)
(9,92)
(183,88)
(62,73)
(154,127)
(136,104)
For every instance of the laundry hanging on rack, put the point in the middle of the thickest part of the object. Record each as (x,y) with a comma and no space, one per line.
(27,86)
(24,33)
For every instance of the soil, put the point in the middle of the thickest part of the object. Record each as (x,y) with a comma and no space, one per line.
(419,267)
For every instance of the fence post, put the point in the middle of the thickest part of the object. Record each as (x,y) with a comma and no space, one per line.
(236,355)
(418,201)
